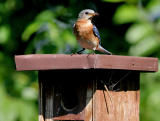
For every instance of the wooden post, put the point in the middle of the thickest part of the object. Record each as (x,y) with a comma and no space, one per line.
(74,87)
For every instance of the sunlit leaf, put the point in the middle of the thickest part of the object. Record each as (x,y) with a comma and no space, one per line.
(39,24)
(138,31)
(125,14)
(29,93)
(145,47)
(4,34)
(32,28)
(54,31)
(45,16)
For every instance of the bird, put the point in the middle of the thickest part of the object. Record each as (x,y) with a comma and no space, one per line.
(87,33)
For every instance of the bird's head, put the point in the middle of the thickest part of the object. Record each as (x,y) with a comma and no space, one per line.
(87,14)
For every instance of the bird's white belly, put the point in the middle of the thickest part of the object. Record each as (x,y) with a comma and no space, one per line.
(88,44)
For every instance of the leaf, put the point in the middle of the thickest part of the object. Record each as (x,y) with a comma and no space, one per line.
(45,16)
(32,28)
(29,93)
(146,47)
(138,31)
(40,23)
(4,34)
(126,14)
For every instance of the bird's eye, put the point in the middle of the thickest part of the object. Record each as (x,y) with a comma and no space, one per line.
(86,12)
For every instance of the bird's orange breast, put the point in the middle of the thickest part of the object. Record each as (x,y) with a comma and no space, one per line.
(83,29)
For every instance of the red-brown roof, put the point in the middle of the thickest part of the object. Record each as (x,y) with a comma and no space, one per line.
(84,61)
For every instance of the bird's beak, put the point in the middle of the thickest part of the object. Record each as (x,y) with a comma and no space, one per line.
(94,14)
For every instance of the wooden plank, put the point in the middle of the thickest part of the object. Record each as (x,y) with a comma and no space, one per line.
(62,61)
(125,106)
(40,100)
(128,63)
(70,117)
(48,101)
(89,102)
(125,102)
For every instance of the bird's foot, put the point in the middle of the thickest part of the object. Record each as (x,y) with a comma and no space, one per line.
(80,52)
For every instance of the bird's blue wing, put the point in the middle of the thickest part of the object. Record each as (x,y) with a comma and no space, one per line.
(96,33)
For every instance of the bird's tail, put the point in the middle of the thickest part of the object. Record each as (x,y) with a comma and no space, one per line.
(101,49)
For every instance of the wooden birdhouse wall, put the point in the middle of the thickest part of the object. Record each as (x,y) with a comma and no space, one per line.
(81,95)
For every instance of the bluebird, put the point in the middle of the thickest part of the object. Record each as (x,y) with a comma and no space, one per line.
(86,32)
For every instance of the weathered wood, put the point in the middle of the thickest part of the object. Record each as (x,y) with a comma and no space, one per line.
(40,100)
(89,102)
(61,61)
(49,101)
(94,102)
(125,105)
(57,92)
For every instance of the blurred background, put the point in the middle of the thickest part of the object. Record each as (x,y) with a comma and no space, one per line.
(127,27)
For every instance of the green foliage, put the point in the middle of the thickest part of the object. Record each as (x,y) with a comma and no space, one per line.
(150,96)
(52,35)
(4,34)
(127,27)
(126,14)
(129,1)
(144,32)
(18,95)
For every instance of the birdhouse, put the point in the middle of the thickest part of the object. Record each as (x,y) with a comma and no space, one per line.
(88,87)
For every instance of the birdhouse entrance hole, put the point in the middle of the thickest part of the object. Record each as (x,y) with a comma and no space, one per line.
(62,95)
(69,100)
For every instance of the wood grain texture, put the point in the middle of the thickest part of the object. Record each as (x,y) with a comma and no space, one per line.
(125,102)
(125,106)
(89,102)
(93,103)
(62,61)
(40,101)
(49,101)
